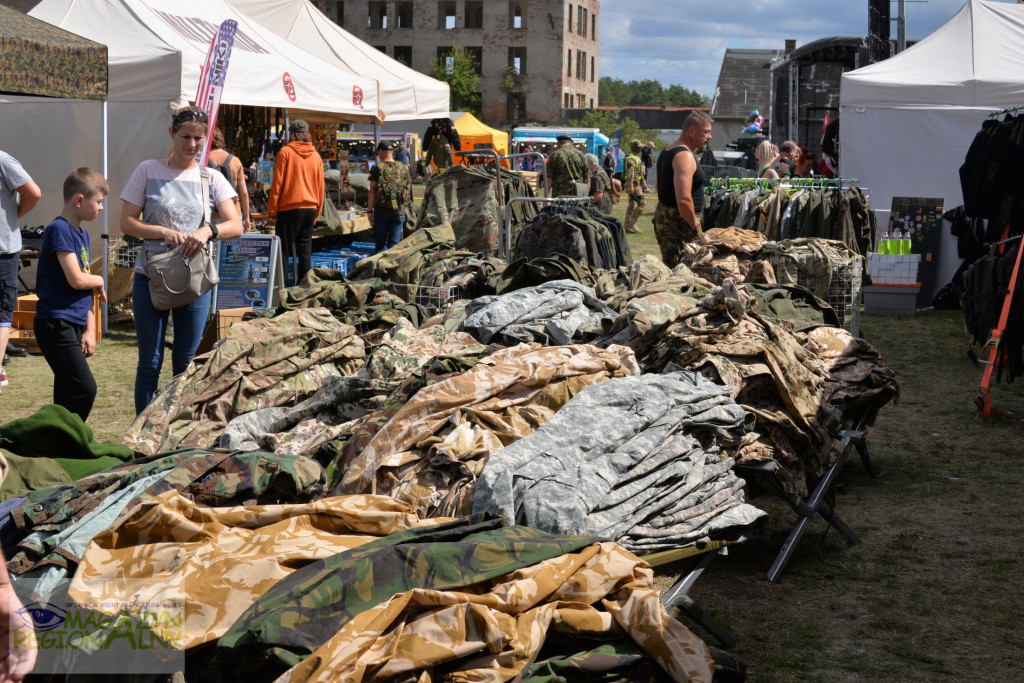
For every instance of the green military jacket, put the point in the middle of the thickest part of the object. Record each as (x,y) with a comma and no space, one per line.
(566,167)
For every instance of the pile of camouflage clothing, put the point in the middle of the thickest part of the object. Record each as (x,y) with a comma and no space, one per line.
(415,483)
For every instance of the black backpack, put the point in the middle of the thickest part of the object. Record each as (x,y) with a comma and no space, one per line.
(225,170)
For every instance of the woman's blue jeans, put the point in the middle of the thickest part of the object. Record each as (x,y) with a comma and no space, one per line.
(150,331)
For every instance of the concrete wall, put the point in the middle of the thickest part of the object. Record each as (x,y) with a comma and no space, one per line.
(544,34)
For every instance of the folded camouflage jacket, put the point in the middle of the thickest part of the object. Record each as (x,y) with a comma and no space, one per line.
(431,451)
(401,266)
(466,601)
(219,561)
(208,478)
(261,363)
(554,312)
(636,459)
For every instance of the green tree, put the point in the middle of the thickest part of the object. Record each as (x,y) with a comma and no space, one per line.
(609,121)
(646,93)
(460,70)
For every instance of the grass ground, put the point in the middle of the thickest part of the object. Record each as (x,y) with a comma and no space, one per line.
(933,592)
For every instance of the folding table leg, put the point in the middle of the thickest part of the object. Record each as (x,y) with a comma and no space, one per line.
(676,597)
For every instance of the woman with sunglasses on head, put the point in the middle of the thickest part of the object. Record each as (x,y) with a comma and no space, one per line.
(164,206)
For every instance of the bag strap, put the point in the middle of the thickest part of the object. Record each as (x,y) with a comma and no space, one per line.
(205,178)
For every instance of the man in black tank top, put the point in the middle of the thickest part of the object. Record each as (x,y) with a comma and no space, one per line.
(680,185)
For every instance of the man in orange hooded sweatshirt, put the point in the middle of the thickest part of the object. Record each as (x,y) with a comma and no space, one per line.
(296,196)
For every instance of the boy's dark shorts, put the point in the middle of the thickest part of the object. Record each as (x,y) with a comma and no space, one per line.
(8,287)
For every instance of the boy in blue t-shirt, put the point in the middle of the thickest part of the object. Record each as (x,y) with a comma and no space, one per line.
(65,325)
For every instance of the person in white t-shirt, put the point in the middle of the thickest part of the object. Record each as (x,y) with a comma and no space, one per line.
(163,205)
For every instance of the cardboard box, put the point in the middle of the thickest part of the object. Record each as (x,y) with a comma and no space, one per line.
(892,299)
(25,339)
(218,325)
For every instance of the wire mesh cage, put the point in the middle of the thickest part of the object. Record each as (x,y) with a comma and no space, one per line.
(842,291)
(438,298)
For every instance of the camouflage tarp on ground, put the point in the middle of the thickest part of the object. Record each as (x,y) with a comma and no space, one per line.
(207,478)
(260,363)
(224,558)
(430,453)
(465,599)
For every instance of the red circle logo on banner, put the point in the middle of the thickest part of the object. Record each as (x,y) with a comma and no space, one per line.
(289,86)
(357,96)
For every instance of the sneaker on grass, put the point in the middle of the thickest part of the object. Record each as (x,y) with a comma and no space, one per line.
(3,377)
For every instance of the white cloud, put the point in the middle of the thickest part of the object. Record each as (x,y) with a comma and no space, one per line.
(682,42)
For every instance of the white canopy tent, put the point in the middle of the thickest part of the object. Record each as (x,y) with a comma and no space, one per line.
(907,122)
(155,52)
(404,94)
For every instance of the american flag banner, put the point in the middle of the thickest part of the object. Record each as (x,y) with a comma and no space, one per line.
(211,81)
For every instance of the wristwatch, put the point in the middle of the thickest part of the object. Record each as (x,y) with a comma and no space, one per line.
(214,230)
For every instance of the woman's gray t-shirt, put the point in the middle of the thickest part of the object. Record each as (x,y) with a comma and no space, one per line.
(172,198)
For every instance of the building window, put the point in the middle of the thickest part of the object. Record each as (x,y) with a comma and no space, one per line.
(591,102)
(378,17)
(584,76)
(593,27)
(403,15)
(570,18)
(568,61)
(403,54)
(581,101)
(581,21)
(446,15)
(579,64)
(382,48)
(478,57)
(568,102)
(592,71)
(517,59)
(335,11)
(444,56)
(515,107)
(515,15)
(474,14)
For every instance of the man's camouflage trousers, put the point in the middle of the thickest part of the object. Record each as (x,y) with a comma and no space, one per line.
(672,233)
(634,211)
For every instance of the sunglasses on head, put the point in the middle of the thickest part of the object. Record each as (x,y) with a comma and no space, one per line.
(197,115)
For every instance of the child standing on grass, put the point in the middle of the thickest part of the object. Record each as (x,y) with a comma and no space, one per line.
(65,326)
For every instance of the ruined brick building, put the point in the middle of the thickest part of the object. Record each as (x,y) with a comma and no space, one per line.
(553,45)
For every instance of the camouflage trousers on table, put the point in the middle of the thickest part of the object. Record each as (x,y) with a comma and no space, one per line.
(672,233)
(633,213)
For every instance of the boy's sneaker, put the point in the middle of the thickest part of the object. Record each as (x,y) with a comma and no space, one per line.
(3,377)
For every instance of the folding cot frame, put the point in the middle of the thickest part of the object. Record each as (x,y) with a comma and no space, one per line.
(822,499)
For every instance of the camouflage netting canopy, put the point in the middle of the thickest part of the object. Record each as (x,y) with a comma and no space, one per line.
(39,59)
(467,198)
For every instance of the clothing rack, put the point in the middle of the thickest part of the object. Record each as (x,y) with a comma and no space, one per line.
(1011,110)
(492,155)
(505,239)
(489,154)
(714,184)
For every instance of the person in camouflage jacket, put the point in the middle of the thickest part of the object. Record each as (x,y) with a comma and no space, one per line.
(566,167)
(634,185)
(600,185)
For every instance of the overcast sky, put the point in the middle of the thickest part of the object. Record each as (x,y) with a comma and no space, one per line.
(682,42)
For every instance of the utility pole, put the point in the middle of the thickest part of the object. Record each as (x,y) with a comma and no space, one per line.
(901,26)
